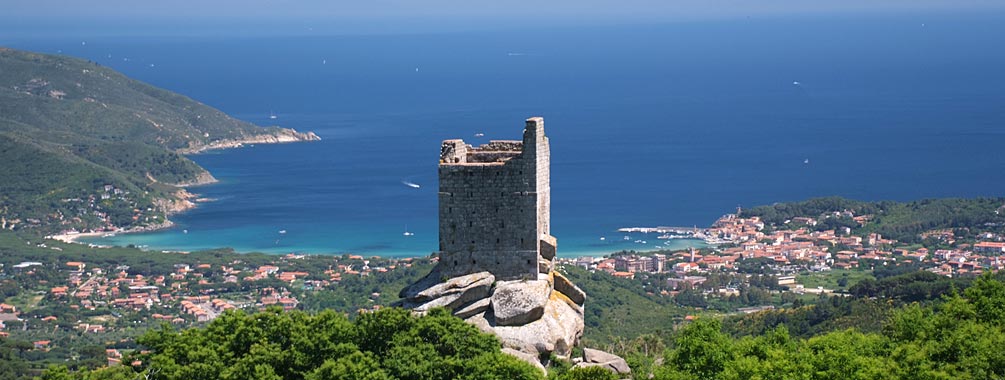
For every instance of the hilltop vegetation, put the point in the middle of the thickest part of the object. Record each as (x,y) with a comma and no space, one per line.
(618,307)
(957,336)
(902,221)
(69,127)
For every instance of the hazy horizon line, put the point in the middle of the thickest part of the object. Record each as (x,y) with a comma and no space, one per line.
(19,28)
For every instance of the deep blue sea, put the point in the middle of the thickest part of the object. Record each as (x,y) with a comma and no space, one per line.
(650,125)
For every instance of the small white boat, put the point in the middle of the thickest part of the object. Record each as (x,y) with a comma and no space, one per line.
(479,135)
(282,232)
(408,233)
(602,238)
(184,231)
(272,115)
(411,184)
(806,161)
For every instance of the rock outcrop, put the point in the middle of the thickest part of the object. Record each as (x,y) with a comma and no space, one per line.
(611,362)
(517,303)
(533,317)
(566,287)
(453,293)
(272,136)
(496,266)
(525,357)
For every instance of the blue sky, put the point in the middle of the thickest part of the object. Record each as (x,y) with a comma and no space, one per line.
(32,17)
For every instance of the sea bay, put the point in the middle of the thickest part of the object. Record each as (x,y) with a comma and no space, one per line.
(703,118)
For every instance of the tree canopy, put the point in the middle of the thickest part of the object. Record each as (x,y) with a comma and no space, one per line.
(387,344)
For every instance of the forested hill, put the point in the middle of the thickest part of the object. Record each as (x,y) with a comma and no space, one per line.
(84,146)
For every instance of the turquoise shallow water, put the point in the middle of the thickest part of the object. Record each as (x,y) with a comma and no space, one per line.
(321,205)
(649,125)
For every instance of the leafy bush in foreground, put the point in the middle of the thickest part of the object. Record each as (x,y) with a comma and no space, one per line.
(387,344)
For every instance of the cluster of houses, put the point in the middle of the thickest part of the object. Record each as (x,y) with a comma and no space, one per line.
(96,288)
(203,308)
(189,293)
(8,313)
(91,207)
(800,248)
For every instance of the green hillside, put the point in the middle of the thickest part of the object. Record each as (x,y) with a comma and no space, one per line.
(83,146)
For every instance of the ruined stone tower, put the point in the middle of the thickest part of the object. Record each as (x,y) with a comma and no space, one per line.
(495,206)
(497,255)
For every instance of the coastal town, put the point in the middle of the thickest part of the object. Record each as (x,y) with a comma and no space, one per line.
(789,251)
(796,248)
(97,299)
(89,299)
(316,190)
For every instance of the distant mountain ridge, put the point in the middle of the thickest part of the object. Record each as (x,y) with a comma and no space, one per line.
(83,146)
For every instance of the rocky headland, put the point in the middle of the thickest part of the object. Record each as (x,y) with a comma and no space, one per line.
(85,145)
(278,136)
(533,318)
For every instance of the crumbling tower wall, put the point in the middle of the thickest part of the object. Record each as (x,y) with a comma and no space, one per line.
(495,206)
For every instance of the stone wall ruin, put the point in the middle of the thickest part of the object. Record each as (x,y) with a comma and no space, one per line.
(495,206)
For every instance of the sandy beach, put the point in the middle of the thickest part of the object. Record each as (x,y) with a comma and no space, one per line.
(73,236)
(185,200)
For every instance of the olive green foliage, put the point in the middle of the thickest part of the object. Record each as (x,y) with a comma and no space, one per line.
(960,338)
(12,362)
(909,287)
(617,307)
(871,303)
(109,373)
(826,314)
(387,344)
(588,373)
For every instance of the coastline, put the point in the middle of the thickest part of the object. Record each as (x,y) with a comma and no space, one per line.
(183,199)
(204,178)
(72,236)
(280,136)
